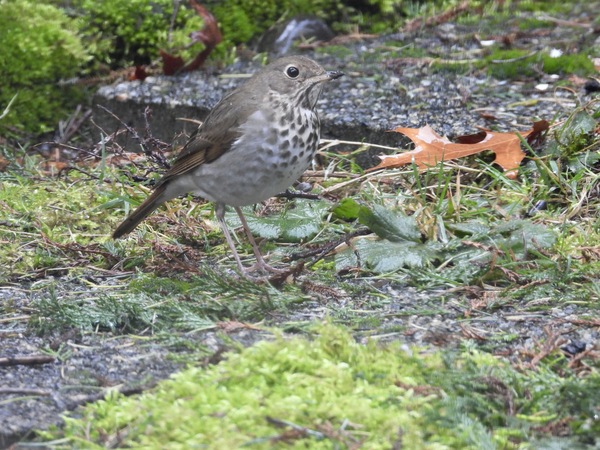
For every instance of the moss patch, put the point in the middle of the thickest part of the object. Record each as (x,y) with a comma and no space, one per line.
(39,47)
(521,63)
(332,391)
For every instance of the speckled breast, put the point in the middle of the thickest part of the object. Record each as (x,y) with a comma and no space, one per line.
(274,148)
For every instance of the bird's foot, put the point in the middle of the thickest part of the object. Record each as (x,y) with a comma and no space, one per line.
(262,266)
(275,276)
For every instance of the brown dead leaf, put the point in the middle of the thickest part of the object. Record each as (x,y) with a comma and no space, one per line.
(53,167)
(171,63)
(487,116)
(431,148)
(537,134)
(138,73)
(209,35)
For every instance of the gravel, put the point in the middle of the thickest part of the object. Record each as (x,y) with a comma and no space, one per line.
(377,94)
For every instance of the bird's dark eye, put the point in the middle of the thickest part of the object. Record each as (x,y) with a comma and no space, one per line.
(292,72)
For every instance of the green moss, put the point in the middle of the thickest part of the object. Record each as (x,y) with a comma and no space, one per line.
(42,217)
(578,64)
(332,392)
(316,385)
(533,23)
(412,51)
(522,15)
(513,64)
(510,64)
(242,20)
(451,67)
(551,7)
(40,47)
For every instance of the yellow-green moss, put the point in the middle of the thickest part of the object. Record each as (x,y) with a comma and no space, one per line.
(335,393)
(39,47)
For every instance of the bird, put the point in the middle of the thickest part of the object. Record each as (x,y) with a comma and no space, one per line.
(253,145)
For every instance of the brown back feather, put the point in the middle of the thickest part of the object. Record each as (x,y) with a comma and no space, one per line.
(217,133)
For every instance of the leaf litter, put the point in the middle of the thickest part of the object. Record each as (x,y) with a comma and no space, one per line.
(431,148)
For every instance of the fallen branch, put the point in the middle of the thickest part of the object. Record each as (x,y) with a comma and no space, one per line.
(24,391)
(26,360)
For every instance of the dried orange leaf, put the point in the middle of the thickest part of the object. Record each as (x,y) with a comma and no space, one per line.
(53,167)
(431,148)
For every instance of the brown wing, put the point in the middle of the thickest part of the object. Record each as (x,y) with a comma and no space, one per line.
(199,150)
(216,134)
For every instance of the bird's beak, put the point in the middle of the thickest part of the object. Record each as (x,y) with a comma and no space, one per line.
(327,76)
(334,74)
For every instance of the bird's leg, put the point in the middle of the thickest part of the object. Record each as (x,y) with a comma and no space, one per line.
(261,264)
(220,211)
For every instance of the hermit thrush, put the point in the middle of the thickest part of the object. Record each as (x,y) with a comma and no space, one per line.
(253,145)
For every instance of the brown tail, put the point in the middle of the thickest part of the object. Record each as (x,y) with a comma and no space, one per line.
(157,198)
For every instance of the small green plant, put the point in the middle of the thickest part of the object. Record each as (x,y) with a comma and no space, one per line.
(242,20)
(578,64)
(121,32)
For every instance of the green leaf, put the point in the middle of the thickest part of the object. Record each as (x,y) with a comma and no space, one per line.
(394,226)
(385,256)
(578,124)
(347,209)
(295,224)
(472,227)
(521,235)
